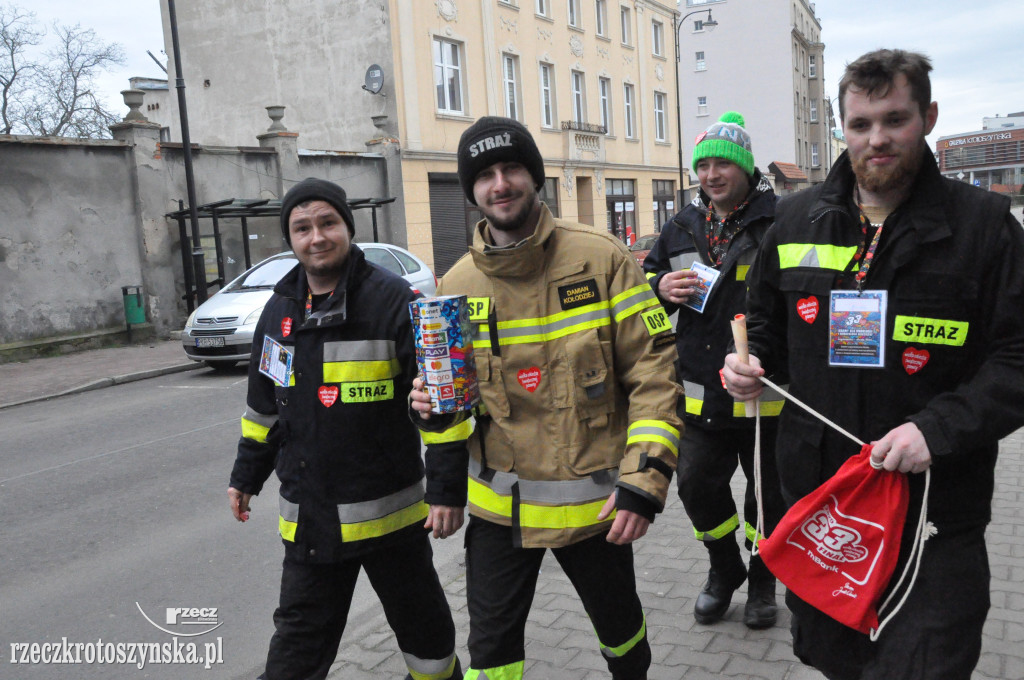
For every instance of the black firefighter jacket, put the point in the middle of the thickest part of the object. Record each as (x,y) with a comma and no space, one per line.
(950,259)
(346,453)
(703,339)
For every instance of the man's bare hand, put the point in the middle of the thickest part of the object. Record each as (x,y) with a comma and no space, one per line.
(903,448)
(419,400)
(445,520)
(742,380)
(677,287)
(627,525)
(239,503)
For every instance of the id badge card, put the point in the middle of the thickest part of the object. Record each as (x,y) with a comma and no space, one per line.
(276,362)
(706,279)
(856,328)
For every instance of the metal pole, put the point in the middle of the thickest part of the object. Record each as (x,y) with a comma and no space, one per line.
(198,263)
(679,116)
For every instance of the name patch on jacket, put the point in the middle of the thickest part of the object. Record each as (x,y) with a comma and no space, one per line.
(578,294)
(934,331)
(355,392)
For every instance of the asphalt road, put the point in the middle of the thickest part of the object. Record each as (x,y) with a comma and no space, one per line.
(114,510)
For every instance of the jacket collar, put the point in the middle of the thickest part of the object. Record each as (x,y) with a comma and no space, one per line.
(519,261)
(295,286)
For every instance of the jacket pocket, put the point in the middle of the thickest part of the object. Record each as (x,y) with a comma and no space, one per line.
(492,386)
(807,293)
(591,374)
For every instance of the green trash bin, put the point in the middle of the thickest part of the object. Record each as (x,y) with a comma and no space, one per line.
(134,309)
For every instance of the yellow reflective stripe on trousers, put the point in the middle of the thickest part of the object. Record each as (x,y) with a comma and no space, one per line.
(751,533)
(429,669)
(694,397)
(818,255)
(456,433)
(255,425)
(511,671)
(657,431)
(370,519)
(724,529)
(633,301)
(627,646)
(288,520)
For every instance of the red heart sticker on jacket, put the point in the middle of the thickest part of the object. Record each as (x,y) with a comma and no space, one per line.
(914,359)
(328,394)
(529,378)
(807,308)
(286,326)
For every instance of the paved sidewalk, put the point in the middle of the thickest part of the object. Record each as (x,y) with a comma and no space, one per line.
(671,567)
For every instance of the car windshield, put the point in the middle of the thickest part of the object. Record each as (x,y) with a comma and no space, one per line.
(645,243)
(265,276)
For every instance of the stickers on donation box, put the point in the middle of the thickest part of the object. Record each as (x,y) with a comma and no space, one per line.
(856,328)
(706,279)
(276,362)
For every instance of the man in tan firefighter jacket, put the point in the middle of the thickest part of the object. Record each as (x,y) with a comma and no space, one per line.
(576,439)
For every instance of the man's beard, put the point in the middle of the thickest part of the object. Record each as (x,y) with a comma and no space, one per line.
(886,179)
(514,222)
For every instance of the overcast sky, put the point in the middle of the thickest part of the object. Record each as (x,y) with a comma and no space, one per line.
(977,47)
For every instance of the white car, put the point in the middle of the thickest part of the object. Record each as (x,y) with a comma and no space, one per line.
(219,332)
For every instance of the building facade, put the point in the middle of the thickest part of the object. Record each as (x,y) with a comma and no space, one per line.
(992,158)
(591,79)
(764,59)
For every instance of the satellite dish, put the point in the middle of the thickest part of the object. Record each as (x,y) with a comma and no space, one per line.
(374,80)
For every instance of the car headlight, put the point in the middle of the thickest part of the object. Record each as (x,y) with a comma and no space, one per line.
(253,318)
(191,318)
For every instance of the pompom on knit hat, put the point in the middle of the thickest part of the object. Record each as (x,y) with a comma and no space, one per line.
(491,140)
(726,139)
(313,189)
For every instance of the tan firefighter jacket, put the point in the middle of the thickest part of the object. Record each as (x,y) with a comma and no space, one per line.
(575,360)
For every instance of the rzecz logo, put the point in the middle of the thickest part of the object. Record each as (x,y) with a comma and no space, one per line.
(185,621)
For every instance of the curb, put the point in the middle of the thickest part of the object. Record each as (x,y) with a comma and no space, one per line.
(109,382)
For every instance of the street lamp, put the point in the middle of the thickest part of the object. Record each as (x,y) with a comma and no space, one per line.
(709,24)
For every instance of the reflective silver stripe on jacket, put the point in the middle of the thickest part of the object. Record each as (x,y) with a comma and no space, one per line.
(557,492)
(359,350)
(254,416)
(682,261)
(547,327)
(289,510)
(352,513)
(693,390)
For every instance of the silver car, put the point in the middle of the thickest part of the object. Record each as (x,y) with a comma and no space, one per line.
(220,331)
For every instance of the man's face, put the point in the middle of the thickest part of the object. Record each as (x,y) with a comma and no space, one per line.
(724,181)
(886,135)
(319,238)
(505,194)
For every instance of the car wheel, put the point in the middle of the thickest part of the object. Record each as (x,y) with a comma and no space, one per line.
(221,365)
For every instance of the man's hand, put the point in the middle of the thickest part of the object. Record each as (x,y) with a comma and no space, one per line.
(419,400)
(627,525)
(677,287)
(742,380)
(445,520)
(903,448)
(239,503)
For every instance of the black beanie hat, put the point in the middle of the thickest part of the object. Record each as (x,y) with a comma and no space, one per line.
(492,140)
(313,189)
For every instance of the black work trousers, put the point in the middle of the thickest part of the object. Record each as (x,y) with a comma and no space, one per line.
(315,601)
(935,636)
(707,462)
(501,580)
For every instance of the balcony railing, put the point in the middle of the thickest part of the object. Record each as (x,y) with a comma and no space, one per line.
(584,127)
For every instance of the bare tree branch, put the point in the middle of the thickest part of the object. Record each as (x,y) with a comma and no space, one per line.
(16,33)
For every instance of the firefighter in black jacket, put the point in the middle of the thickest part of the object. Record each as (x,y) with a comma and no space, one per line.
(332,364)
(719,231)
(934,381)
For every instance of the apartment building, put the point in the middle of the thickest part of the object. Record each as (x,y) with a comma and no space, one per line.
(591,79)
(992,158)
(765,59)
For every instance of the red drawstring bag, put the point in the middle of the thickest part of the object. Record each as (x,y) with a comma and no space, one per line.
(837,547)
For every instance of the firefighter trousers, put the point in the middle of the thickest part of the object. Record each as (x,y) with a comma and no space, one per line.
(501,580)
(707,462)
(315,601)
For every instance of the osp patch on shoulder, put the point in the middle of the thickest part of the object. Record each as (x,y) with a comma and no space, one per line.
(578,294)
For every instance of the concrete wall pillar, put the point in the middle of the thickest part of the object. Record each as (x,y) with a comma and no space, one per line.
(286,144)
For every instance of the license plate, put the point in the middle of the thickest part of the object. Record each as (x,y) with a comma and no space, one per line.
(210,342)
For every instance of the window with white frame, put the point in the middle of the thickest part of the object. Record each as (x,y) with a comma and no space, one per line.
(605,91)
(627,25)
(812,66)
(815,161)
(657,38)
(510,78)
(702,106)
(579,97)
(814,110)
(574,13)
(448,76)
(542,7)
(628,105)
(660,122)
(701,65)
(698,25)
(601,17)
(547,95)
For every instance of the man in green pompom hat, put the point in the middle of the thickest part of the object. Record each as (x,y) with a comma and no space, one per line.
(720,231)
